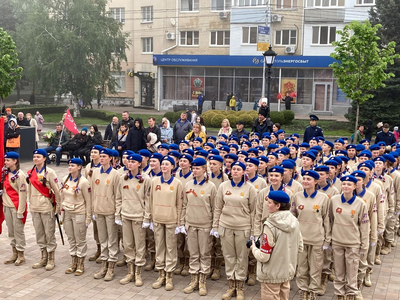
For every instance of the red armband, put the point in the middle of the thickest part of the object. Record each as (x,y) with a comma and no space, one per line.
(265,247)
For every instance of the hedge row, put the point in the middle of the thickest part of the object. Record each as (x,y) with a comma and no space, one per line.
(43,109)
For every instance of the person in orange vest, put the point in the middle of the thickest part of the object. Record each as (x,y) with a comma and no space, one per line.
(13,136)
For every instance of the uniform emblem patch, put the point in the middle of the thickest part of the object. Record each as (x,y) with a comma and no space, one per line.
(338,210)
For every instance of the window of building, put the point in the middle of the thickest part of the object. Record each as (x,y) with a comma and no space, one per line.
(119,78)
(189,38)
(147,14)
(220,38)
(221,5)
(285,37)
(250,2)
(286,4)
(249,35)
(118,13)
(327,3)
(189,5)
(323,35)
(366,2)
(147,45)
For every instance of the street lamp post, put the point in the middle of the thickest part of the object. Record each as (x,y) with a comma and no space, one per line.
(269,58)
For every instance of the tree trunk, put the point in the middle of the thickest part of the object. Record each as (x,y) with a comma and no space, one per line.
(356,125)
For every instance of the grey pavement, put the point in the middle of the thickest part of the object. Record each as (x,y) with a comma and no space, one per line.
(27,283)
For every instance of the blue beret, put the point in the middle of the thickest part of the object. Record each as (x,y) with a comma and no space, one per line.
(234,146)
(280,131)
(213,151)
(331,162)
(144,152)
(282,151)
(96,147)
(273,146)
(183,142)
(266,136)
(11,154)
(211,137)
(263,158)
(76,161)
(310,173)
(106,151)
(281,142)
(169,159)
(279,196)
(304,145)
(224,148)
(224,136)
(173,147)
(345,138)
(341,141)
(380,144)
(276,169)
(198,139)
(274,134)
(321,168)
(348,178)
(247,143)
(318,148)
(329,143)
(186,156)
(231,156)
(252,150)
(163,146)
(244,136)
(289,139)
(135,157)
(234,138)
(197,149)
(202,153)
(313,151)
(395,154)
(365,165)
(389,157)
(321,138)
(255,140)
(242,152)
(365,153)
(309,154)
(216,158)
(198,162)
(374,147)
(344,159)
(252,160)
(158,156)
(364,141)
(260,148)
(379,158)
(273,154)
(209,145)
(344,152)
(114,153)
(287,164)
(350,146)
(239,164)
(256,133)
(188,151)
(294,146)
(359,174)
(174,153)
(397,146)
(314,139)
(295,135)
(338,159)
(360,147)
(128,152)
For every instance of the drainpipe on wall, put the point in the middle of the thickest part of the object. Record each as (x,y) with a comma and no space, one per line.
(176,29)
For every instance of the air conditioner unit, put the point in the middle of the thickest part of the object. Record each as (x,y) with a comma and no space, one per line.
(290,49)
(170,35)
(276,18)
(223,14)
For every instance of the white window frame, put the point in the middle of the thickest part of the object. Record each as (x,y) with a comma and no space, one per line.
(329,42)
(280,4)
(362,2)
(225,39)
(291,32)
(249,3)
(249,35)
(227,5)
(319,3)
(193,33)
(147,14)
(118,13)
(195,5)
(121,81)
(147,45)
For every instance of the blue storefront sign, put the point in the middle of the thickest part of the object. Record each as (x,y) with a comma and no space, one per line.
(241,61)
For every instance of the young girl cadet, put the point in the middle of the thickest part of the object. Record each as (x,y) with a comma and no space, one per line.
(131,207)
(15,207)
(77,206)
(197,216)
(233,222)
(44,200)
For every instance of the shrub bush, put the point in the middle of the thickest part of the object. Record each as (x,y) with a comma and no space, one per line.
(217,120)
(43,109)
(207,116)
(170,115)
(288,116)
(247,119)
(98,114)
(277,117)
(232,120)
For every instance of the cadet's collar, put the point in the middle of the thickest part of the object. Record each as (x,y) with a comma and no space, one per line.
(218,177)
(185,176)
(200,183)
(41,170)
(281,188)
(145,168)
(152,174)
(369,183)
(350,202)
(167,182)
(325,188)
(362,193)
(76,179)
(311,196)
(97,166)
(290,182)
(108,170)
(253,179)
(238,185)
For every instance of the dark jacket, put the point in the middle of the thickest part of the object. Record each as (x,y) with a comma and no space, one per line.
(261,128)
(240,133)
(95,140)
(136,139)
(79,141)
(312,131)
(108,135)
(130,122)
(23,122)
(13,133)
(156,130)
(181,129)
(264,111)
(368,130)
(387,137)
(64,139)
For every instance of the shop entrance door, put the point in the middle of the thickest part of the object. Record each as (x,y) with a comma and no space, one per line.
(322,96)
(147,92)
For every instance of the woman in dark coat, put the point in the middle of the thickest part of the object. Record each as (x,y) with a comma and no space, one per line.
(136,139)
(94,138)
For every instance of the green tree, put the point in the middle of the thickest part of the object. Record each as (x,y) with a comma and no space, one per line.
(360,66)
(9,70)
(71,46)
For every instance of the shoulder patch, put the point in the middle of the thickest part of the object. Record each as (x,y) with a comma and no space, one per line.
(265,247)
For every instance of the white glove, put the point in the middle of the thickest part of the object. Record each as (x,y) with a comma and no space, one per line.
(145,225)
(151,226)
(177,230)
(20,217)
(379,232)
(325,247)
(1,192)
(397,213)
(87,225)
(183,229)
(94,217)
(361,253)
(118,222)
(372,244)
(216,234)
(212,232)
(252,238)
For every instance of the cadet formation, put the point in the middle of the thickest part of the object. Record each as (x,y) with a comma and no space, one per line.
(268,208)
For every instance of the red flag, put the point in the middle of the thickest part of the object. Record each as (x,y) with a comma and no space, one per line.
(69,123)
(2,218)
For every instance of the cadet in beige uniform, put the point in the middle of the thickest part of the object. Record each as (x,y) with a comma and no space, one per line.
(44,200)
(131,211)
(104,183)
(350,230)
(276,260)
(311,209)
(197,217)
(233,222)
(14,206)
(95,163)
(165,213)
(77,206)
(289,167)
(124,169)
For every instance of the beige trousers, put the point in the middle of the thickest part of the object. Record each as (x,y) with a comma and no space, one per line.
(216,249)
(235,252)
(134,237)
(75,228)
(346,261)
(15,226)
(183,251)
(108,235)
(275,291)
(150,244)
(327,266)
(166,247)
(371,256)
(95,233)
(45,229)
(199,245)
(309,269)
(390,229)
